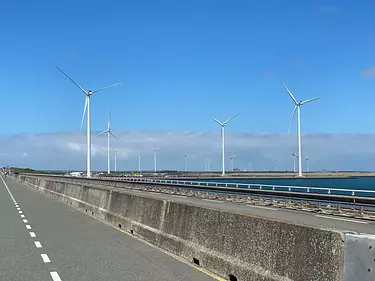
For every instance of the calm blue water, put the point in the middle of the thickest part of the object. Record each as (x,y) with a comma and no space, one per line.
(356,183)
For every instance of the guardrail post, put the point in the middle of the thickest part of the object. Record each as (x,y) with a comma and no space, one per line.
(329,191)
(290,189)
(273,187)
(260,187)
(361,210)
(339,208)
(308,190)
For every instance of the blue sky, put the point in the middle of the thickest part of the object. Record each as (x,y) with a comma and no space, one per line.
(179,60)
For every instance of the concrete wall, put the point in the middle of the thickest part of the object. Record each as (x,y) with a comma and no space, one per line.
(247,247)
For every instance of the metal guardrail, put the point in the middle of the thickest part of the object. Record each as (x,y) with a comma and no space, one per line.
(289,188)
(324,195)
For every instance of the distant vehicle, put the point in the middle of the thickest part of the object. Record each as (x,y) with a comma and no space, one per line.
(76,174)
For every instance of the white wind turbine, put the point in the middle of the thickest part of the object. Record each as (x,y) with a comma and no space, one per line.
(222,125)
(87,107)
(208,164)
(115,151)
(232,160)
(294,161)
(307,164)
(186,159)
(297,106)
(155,154)
(109,134)
(139,162)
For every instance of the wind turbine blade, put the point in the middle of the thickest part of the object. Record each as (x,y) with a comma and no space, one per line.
(306,101)
(102,133)
(83,90)
(97,90)
(114,136)
(217,121)
(290,94)
(226,122)
(291,120)
(84,113)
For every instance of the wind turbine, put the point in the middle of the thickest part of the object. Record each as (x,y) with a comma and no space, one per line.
(307,163)
(294,161)
(232,160)
(109,134)
(155,153)
(297,106)
(250,166)
(139,162)
(185,157)
(115,152)
(87,107)
(209,164)
(222,125)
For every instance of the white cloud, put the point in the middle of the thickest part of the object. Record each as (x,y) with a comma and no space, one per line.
(369,72)
(68,150)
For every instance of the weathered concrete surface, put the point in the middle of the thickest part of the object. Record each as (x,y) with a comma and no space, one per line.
(250,248)
(359,257)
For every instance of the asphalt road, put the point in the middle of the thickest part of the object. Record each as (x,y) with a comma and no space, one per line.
(49,240)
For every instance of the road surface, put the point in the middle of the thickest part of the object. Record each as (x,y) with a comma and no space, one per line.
(43,239)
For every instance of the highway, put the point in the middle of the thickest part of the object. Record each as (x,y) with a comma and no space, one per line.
(43,239)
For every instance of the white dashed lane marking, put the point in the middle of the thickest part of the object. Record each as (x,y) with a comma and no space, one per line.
(45,258)
(55,276)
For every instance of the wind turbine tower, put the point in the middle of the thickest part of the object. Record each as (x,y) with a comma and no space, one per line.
(222,125)
(232,160)
(87,107)
(139,162)
(307,164)
(155,154)
(294,161)
(297,106)
(109,134)
(208,165)
(186,159)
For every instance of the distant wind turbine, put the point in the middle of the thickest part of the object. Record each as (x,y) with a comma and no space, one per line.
(307,164)
(139,162)
(115,152)
(109,134)
(297,106)
(208,164)
(294,161)
(87,107)
(186,159)
(250,167)
(232,160)
(155,154)
(222,125)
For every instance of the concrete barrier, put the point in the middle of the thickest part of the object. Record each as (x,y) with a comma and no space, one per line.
(235,246)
